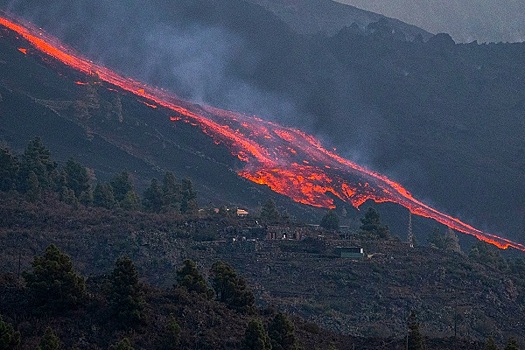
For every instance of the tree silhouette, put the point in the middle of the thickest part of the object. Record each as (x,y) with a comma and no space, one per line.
(123,344)
(490,344)
(37,159)
(53,285)
(77,178)
(371,223)
(121,185)
(188,277)
(152,198)
(269,211)
(512,344)
(171,193)
(282,334)
(126,297)
(230,288)
(415,339)
(255,337)
(9,166)
(9,338)
(103,196)
(49,341)
(330,221)
(188,197)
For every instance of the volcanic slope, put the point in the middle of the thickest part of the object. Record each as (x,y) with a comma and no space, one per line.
(270,151)
(443,119)
(108,130)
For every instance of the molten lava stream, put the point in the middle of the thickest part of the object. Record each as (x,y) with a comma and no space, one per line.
(287,160)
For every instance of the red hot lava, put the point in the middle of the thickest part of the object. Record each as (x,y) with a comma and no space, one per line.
(285,159)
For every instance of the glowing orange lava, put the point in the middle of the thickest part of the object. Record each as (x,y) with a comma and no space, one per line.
(287,160)
(22,50)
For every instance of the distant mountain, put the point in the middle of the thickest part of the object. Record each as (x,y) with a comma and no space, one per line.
(484,21)
(326,16)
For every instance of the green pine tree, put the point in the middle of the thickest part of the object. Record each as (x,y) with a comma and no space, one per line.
(103,196)
(152,198)
(174,330)
(415,339)
(9,338)
(255,337)
(330,221)
(188,277)
(126,297)
(131,201)
(77,178)
(123,344)
(37,159)
(188,198)
(282,333)
(490,344)
(269,212)
(512,344)
(230,288)
(171,193)
(53,284)
(371,223)
(121,185)
(9,167)
(49,341)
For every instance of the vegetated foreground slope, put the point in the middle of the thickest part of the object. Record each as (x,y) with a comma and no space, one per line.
(369,297)
(444,119)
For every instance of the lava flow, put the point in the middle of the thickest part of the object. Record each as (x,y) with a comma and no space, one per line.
(287,160)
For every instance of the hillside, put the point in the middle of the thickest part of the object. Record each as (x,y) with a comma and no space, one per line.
(329,17)
(368,299)
(368,94)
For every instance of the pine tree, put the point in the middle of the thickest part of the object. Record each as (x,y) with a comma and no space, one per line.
(9,166)
(131,201)
(188,277)
(282,334)
(53,285)
(126,297)
(448,241)
(103,196)
(123,344)
(490,344)
(230,288)
(512,344)
(171,193)
(173,331)
(371,223)
(32,187)
(255,337)
(152,198)
(330,221)
(269,211)
(77,178)
(188,198)
(121,185)
(415,339)
(9,338)
(37,159)
(49,341)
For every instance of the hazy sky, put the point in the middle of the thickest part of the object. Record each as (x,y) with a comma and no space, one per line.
(464,20)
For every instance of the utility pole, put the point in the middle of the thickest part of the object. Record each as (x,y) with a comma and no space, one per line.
(410,233)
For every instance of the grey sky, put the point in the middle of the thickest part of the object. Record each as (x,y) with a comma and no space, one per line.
(464,20)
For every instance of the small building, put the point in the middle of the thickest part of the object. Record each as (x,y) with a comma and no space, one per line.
(242,213)
(351,252)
